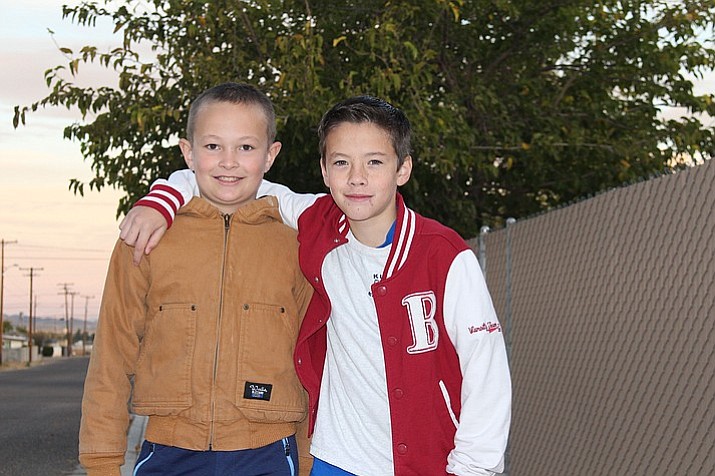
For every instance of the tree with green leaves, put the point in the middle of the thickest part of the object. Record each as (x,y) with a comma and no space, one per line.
(517,106)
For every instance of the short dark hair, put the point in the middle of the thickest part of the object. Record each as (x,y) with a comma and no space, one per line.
(369,109)
(235,93)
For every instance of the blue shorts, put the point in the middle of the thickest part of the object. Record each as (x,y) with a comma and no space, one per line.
(321,468)
(277,459)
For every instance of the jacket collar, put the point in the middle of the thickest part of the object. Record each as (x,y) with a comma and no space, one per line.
(262,210)
(402,241)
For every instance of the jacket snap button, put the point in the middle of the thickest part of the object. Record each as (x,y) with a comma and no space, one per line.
(336,240)
(382,290)
(300,361)
(398,393)
(392,340)
(402,449)
(316,279)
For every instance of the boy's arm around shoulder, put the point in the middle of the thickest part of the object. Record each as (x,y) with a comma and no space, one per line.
(145,224)
(290,204)
(153,214)
(167,196)
(473,328)
(107,388)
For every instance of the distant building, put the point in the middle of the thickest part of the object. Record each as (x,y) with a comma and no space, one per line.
(13,341)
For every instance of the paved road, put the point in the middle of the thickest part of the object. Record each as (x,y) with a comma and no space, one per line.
(39,417)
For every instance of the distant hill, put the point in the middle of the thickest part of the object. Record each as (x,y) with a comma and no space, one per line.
(49,324)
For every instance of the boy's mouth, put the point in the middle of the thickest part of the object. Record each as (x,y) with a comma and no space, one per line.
(227,179)
(357,197)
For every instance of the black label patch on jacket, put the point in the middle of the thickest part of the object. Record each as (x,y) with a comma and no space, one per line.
(257,391)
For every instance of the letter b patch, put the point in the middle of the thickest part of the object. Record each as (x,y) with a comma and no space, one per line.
(421,309)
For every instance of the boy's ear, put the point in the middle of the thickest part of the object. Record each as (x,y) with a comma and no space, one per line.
(324,171)
(273,152)
(404,172)
(185,147)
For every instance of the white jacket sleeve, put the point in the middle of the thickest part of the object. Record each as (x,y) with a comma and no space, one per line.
(473,327)
(290,203)
(167,196)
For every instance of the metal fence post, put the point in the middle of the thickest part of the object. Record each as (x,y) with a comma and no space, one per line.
(482,256)
(507,324)
(507,308)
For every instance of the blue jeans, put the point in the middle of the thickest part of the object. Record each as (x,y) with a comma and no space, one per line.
(277,459)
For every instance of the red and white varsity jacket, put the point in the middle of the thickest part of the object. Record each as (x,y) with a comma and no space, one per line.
(447,376)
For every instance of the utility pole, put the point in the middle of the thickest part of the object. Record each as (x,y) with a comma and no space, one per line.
(2,288)
(66,291)
(71,331)
(34,311)
(84,331)
(29,323)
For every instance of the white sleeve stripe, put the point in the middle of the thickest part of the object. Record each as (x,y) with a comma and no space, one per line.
(166,196)
(161,201)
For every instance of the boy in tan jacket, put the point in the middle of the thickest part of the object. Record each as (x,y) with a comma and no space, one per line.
(200,336)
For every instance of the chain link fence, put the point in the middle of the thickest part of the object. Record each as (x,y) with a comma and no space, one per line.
(608,307)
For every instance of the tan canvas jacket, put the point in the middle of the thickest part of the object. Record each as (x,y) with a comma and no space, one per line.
(200,337)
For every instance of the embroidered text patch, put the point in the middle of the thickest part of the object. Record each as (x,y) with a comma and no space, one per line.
(257,391)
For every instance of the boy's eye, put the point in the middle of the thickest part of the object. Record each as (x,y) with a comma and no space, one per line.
(246,147)
(211,146)
(375,162)
(340,163)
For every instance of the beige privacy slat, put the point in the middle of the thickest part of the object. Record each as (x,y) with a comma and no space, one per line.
(612,319)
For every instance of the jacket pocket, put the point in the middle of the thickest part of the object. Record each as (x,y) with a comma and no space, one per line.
(268,388)
(162,383)
(448,403)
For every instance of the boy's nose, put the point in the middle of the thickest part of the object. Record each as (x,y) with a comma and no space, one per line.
(357,176)
(229,160)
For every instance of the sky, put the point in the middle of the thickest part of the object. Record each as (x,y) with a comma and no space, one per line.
(66,239)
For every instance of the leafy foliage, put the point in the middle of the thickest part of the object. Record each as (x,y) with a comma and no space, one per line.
(517,106)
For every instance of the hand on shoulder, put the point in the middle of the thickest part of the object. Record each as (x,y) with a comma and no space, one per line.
(142,228)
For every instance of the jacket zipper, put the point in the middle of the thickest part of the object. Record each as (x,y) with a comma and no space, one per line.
(226,229)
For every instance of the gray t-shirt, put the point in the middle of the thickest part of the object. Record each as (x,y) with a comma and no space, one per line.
(353,394)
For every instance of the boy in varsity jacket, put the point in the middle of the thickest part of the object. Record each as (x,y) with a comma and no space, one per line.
(400,350)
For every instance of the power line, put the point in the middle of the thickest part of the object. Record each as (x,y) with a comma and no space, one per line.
(61,258)
(64,248)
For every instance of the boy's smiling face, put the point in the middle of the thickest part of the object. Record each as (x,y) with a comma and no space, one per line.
(360,167)
(229,153)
